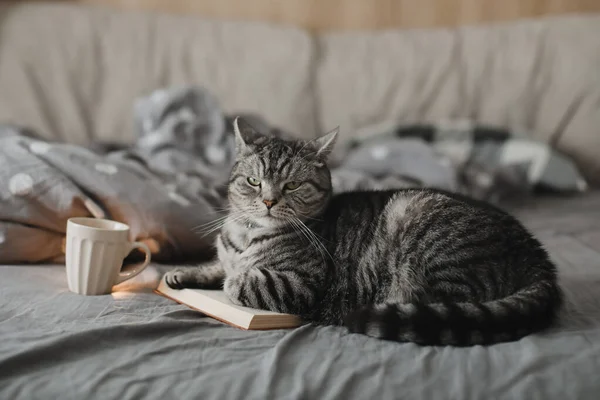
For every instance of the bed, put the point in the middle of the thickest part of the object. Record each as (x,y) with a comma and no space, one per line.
(137,344)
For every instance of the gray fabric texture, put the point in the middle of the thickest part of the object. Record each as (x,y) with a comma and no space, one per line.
(135,344)
(172,180)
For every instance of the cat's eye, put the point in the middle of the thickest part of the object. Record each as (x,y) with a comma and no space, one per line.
(292,185)
(253,181)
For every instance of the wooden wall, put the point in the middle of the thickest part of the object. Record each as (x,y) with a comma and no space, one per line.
(322,15)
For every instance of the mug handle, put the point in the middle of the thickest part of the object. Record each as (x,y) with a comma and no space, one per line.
(123,276)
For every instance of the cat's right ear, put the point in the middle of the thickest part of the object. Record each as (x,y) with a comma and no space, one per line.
(324,144)
(245,136)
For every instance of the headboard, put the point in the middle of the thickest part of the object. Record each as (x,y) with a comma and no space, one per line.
(321,15)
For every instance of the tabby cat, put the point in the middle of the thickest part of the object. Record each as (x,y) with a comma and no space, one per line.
(413,265)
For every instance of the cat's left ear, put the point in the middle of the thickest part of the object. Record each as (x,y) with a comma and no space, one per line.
(246,137)
(325,143)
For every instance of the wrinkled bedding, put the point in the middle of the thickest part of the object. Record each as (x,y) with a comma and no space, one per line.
(135,344)
(172,181)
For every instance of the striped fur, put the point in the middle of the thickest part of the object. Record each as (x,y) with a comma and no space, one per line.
(413,265)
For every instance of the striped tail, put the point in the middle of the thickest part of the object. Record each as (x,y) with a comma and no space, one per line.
(531,309)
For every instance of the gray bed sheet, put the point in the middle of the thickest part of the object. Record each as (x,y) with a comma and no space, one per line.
(135,344)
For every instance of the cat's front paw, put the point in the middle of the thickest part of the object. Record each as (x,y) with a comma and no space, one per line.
(176,279)
(208,276)
(233,290)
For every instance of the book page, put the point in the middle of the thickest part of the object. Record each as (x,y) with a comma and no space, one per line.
(220,296)
(217,295)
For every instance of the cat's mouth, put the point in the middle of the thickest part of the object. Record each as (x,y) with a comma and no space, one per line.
(270,215)
(266,214)
(274,216)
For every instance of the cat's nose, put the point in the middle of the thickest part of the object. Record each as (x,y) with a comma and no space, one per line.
(270,203)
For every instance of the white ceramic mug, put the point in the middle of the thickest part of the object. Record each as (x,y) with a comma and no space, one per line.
(94,254)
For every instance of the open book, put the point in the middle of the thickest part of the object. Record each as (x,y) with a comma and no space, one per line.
(214,303)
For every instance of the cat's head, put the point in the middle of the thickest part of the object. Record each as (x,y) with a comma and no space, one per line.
(275,181)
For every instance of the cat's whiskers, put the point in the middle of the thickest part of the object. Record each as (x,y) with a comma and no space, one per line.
(312,239)
(299,228)
(307,217)
(221,222)
(316,239)
(227,222)
(228,211)
(215,221)
(222,210)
